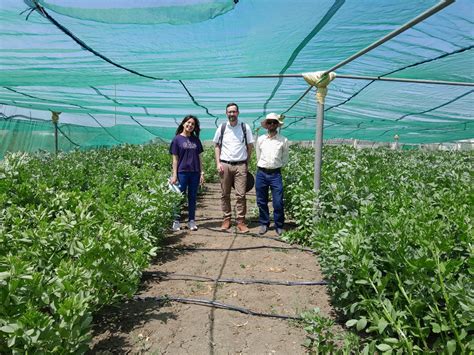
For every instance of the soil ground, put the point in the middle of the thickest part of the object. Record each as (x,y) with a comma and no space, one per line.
(153,327)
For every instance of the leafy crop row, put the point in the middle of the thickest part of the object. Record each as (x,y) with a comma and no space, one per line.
(75,233)
(394,232)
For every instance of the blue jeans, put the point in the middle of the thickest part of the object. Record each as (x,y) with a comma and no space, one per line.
(263,182)
(190,181)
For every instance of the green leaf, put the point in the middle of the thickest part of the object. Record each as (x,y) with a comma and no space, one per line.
(383,347)
(351,322)
(10,328)
(382,324)
(11,342)
(451,346)
(361,323)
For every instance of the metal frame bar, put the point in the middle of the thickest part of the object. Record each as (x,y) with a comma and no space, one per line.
(363,77)
(320,110)
(431,11)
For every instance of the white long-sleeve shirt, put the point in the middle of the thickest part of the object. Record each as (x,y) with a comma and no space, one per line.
(272,152)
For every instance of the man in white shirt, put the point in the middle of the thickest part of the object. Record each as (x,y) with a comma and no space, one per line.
(234,143)
(272,155)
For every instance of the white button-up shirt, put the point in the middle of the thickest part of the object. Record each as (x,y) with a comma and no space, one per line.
(272,152)
(233,143)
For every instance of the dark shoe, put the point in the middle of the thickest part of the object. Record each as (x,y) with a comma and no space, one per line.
(225,224)
(263,229)
(279,231)
(242,227)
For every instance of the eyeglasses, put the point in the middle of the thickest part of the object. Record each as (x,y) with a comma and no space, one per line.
(272,122)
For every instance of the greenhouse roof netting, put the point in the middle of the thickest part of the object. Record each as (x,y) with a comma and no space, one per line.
(128,71)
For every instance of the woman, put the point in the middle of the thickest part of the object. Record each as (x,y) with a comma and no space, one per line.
(187,165)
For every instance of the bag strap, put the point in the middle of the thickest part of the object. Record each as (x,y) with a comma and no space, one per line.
(223,125)
(244,131)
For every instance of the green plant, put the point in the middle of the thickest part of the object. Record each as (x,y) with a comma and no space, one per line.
(75,234)
(323,338)
(393,231)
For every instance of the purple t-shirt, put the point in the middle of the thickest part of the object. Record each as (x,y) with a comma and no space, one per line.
(187,149)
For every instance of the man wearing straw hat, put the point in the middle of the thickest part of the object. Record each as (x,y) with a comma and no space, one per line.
(272,155)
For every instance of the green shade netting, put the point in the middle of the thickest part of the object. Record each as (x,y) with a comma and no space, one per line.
(132,70)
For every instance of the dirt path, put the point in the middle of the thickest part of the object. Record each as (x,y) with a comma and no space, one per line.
(154,327)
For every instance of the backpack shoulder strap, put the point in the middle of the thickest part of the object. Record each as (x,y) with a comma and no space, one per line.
(223,125)
(244,131)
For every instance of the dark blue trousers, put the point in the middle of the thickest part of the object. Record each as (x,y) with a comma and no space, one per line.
(190,181)
(264,182)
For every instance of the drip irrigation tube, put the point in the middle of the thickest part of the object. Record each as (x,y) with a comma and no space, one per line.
(214,304)
(187,277)
(238,249)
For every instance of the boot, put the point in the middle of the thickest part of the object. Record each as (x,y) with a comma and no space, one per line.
(242,227)
(225,224)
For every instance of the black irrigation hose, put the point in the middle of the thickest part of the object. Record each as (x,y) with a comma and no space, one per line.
(186,277)
(214,304)
(239,249)
(255,235)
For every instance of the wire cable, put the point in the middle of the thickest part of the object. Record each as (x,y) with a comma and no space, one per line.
(326,18)
(41,10)
(197,103)
(105,129)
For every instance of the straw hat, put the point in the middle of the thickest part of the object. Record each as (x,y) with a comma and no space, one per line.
(275,117)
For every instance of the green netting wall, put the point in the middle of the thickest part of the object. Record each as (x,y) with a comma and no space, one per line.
(128,72)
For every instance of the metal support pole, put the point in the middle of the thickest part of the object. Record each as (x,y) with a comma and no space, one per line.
(55,119)
(55,137)
(318,146)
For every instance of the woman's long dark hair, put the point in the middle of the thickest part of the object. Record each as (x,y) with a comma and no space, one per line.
(197,129)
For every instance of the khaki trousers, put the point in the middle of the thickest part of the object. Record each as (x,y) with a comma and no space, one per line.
(234,175)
